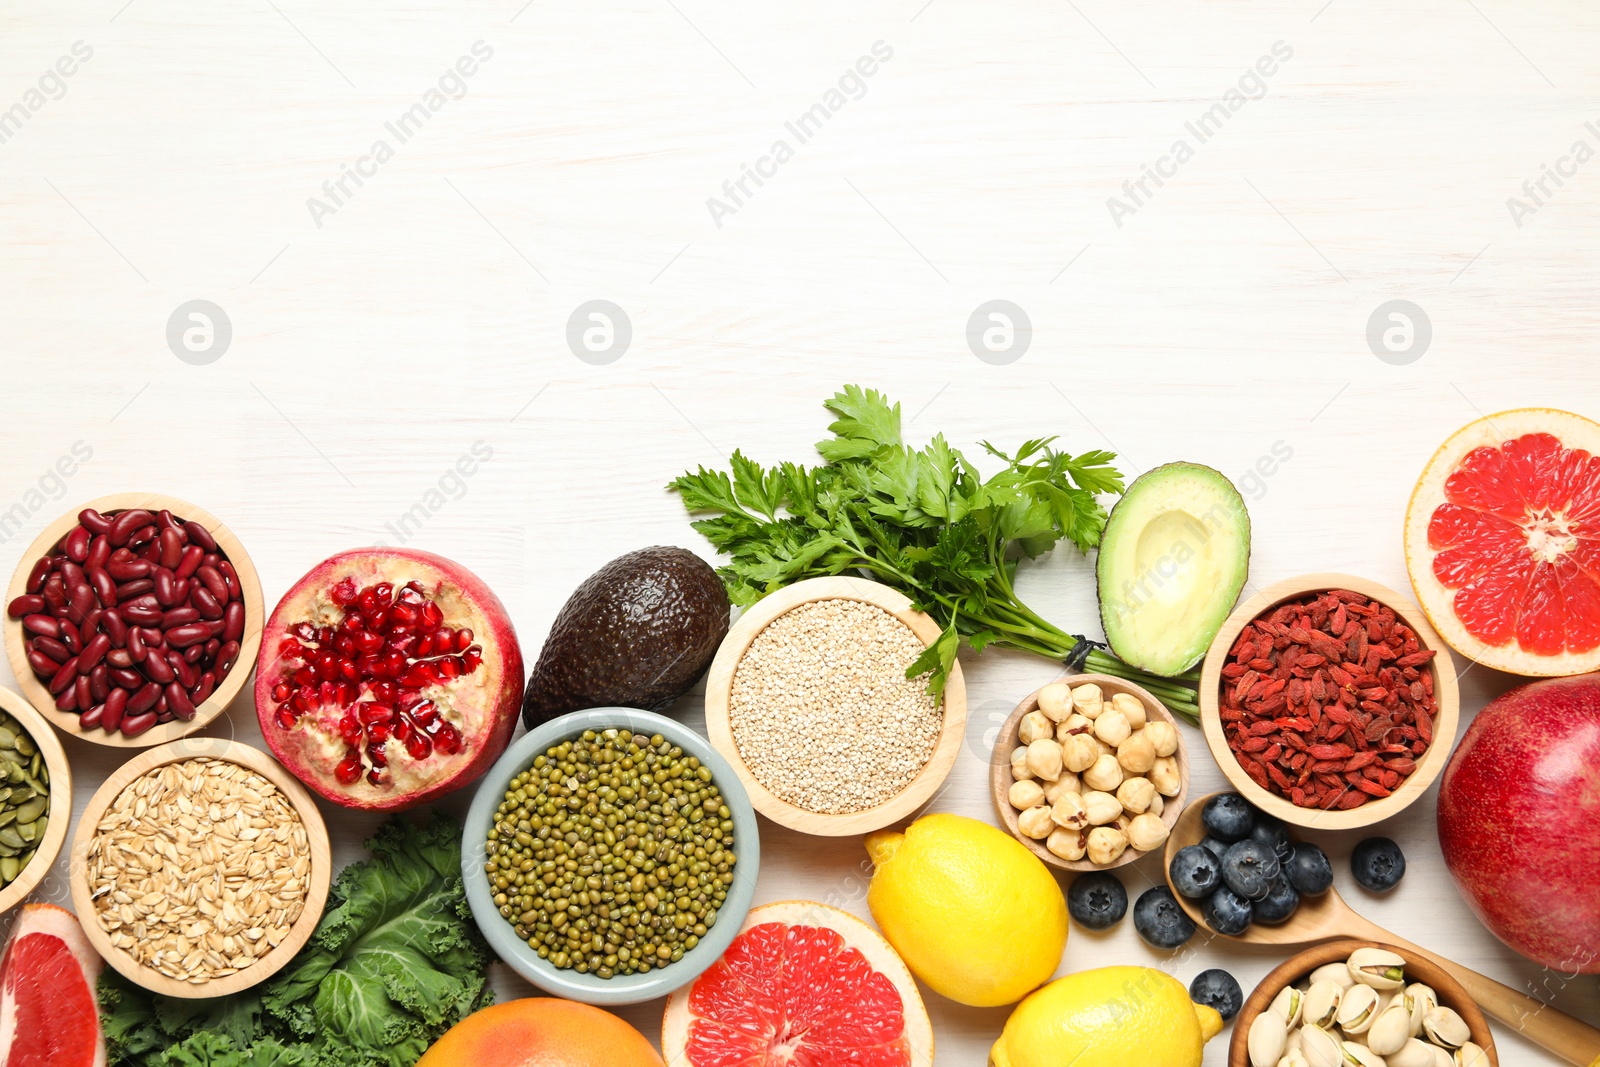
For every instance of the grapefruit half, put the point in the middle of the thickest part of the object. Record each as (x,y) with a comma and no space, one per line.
(803,985)
(48,1013)
(1503,542)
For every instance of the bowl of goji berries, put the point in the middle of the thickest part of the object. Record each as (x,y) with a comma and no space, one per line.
(1329,701)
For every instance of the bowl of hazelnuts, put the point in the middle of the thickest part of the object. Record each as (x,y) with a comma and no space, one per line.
(1089,773)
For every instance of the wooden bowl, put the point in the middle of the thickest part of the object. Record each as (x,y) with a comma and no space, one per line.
(249,645)
(1000,770)
(60,814)
(174,752)
(719,694)
(1445,692)
(1297,967)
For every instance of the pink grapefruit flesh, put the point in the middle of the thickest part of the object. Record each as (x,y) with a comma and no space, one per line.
(48,1012)
(1503,542)
(803,985)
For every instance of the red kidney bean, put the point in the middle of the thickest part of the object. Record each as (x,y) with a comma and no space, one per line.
(80,602)
(186,635)
(76,544)
(52,649)
(93,652)
(182,668)
(116,706)
(214,627)
(230,576)
(178,701)
(193,653)
(71,574)
(171,548)
(42,665)
(128,570)
(126,679)
(233,621)
(123,526)
(167,521)
(100,683)
(199,535)
(151,554)
(136,588)
(190,561)
(115,628)
(84,692)
(37,576)
(209,577)
(121,555)
(204,688)
(157,669)
(119,659)
(134,725)
(68,699)
(92,718)
(226,656)
(210,559)
(136,647)
(140,613)
(105,587)
(32,603)
(55,594)
(91,622)
(205,603)
(166,587)
(42,624)
(65,676)
(179,617)
(212,647)
(144,699)
(99,553)
(94,522)
(70,636)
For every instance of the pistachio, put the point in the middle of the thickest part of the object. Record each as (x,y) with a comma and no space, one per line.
(1288,1003)
(1360,1055)
(1044,758)
(1470,1055)
(1137,754)
(1135,794)
(1293,1058)
(1266,1041)
(1338,973)
(1378,968)
(1444,1026)
(1070,845)
(1019,764)
(1419,999)
(1146,832)
(1105,774)
(1112,727)
(1106,845)
(1036,823)
(1413,1053)
(1322,1002)
(1391,1030)
(1087,700)
(1035,724)
(1132,709)
(1357,1009)
(1295,1041)
(1025,794)
(1055,700)
(1101,807)
(1321,1048)
(1070,813)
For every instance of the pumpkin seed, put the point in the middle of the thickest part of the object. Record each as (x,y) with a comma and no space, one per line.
(24,798)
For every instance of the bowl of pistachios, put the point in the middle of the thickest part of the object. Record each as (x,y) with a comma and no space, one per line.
(35,798)
(1360,1003)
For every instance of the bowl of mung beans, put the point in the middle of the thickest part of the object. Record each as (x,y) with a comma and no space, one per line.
(610,856)
(35,798)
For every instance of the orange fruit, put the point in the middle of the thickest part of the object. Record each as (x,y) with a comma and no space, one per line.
(1503,542)
(541,1032)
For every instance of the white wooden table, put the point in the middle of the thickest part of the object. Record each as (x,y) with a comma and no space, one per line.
(382,329)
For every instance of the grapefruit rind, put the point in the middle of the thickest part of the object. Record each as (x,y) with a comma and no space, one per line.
(1439,601)
(857,935)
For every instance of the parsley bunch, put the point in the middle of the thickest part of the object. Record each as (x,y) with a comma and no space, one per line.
(923,521)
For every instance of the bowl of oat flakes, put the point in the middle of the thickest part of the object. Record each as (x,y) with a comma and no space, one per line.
(808,700)
(200,868)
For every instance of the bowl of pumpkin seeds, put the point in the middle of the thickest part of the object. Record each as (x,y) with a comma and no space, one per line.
(34,779)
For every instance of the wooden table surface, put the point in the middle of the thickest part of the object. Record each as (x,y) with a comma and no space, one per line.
(1302,165)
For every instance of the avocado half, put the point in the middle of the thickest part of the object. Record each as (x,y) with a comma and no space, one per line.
(1173,559)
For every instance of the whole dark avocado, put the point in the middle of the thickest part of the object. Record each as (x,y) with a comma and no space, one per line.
(638,633)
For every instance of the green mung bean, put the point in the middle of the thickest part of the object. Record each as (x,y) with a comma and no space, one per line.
(612,853)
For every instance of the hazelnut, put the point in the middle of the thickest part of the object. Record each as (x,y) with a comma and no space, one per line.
(1102,808)
(1137,755)
(1069,812)
(1163,735)
(1147,832)
(1105,774)
(1073,724)
(1036,823)
(1019,763)
(1112,727)
(1055,700)
(1165,777)
(1157,805)
(1079,752)
(1134,794)
(1044,758)
(1067,783)
(1106,845)
(1132,709)
(1070,845)
(1035,725)
(1087,700)
(1025,794)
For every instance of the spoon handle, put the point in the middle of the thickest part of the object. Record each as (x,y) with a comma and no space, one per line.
(1554,1031)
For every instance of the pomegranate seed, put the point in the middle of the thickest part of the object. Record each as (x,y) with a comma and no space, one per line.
(463,640)
(402,643)
(349,671)
(419,747)
(352,623)
(301,702)
(349,769)
(328,692)
(368,642)
(426,714)
(304,631)
(402,731)
(324,635)
(375,776)
(385,692)
(448,740)
(285,718)
(343,592)
(304,676)
(413,593)
(384,591)
(281,692)
(350,729)
(402,617)
(327,664)
(347,693)
(376,620)
(472,657)
(371,713)
(344,644)
(450,668)
(432,617)
(379,734)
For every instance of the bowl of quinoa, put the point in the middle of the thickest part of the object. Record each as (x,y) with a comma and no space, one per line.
(808,700)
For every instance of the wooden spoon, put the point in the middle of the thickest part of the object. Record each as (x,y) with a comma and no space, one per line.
(1328,916)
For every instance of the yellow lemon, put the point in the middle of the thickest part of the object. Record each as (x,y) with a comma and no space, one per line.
(1110,1017)
(973,913)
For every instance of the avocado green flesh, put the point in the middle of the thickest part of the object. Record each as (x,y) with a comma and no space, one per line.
(1173,559)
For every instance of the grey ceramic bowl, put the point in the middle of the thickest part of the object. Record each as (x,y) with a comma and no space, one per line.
(623,989)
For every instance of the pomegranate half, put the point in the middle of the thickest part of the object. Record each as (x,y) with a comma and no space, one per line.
(388,677)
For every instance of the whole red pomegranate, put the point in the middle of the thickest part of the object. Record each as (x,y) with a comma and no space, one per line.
(388,678)
(1519,821)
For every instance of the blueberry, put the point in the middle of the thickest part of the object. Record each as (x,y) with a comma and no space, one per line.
(1249,868)
(1218,848)
(1271,832)
(1159,919)
(1216,988)
(1279,903)
(1195,872)
(1309,870)
(1227,912)
(1228,817)
(1097,900)
(1378,864)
